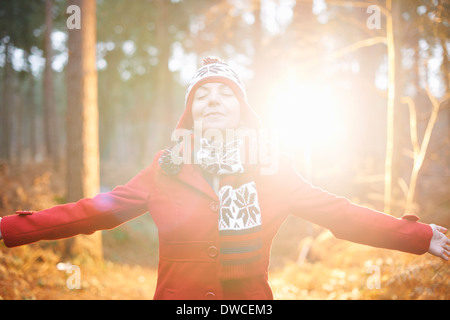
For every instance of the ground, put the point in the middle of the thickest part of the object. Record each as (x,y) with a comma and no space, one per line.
(331,269)
(345,271)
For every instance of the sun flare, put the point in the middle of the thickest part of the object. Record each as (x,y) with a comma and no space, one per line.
(305,115)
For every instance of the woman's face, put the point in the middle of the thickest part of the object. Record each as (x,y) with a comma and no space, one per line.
(216,106)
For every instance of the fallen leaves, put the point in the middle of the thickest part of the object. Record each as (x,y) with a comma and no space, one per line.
(351,271)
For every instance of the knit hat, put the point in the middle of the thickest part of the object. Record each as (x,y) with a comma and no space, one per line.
(215,70)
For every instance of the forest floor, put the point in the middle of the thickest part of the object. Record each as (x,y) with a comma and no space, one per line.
(333,269)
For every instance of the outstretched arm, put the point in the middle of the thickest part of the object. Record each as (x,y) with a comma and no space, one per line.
(439,244)
(104,211)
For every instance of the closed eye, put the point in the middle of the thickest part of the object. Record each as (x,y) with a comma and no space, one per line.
(200,97)
(226,91)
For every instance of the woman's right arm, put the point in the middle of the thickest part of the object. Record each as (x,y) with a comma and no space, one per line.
(102,212)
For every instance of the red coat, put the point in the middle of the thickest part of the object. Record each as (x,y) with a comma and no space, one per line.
(185,210)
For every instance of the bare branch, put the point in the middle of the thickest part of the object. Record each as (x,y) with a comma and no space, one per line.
(413,124)
(390,110)
(424,147)
(357,4)
(360,44)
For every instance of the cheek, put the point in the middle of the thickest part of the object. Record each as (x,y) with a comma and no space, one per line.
(235,110)
(196,111)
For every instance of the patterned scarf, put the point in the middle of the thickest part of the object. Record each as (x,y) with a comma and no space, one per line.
(239,220)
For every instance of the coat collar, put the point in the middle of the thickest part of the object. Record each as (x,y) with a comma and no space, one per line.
(191,175)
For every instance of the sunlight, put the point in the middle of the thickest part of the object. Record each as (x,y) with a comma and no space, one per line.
(306,115)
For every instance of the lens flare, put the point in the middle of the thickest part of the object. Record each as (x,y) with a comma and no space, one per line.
(305,116)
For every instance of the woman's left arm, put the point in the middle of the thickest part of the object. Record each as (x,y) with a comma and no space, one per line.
(356,223)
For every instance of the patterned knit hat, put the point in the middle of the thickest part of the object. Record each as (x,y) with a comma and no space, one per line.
(215,70)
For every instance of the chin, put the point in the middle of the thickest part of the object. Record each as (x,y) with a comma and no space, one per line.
(214,125)
(212,128)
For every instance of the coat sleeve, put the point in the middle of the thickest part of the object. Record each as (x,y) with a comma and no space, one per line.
(355,223)
(102,212)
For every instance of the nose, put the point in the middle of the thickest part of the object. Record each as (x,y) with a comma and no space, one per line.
(214,99)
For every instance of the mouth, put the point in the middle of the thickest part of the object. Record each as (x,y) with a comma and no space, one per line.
(214,114)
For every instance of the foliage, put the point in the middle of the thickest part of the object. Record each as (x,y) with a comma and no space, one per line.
(31,272)
(341,270)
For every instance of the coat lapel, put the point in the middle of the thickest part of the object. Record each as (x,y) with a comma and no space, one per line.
(192,176)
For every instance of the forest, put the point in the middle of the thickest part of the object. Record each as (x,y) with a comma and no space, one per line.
(357,92)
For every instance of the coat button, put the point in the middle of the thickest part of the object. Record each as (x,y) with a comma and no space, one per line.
(212,251)
(214,206)
(210,295)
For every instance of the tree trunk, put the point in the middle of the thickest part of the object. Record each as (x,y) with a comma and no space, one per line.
(444,66)
(50,126)
(20,124)
(258,83)
(162,111)
(394,94)
(5,129)
(31,118)
(82,125)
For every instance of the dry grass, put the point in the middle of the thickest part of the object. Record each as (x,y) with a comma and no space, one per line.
(344,270)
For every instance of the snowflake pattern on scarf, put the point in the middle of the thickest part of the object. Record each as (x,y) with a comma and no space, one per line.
(239,207)
(220,159)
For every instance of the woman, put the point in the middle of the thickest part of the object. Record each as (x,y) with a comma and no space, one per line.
(216,210)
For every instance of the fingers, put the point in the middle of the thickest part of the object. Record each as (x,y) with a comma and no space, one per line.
(446,249)
(440,243)
(445,255)
(439,232)
(438,228)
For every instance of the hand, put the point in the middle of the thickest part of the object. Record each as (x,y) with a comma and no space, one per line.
(439,244)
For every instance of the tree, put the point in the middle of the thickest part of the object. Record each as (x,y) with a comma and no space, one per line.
(5,110)
(50,123)
(21,23)
(82,122)
(394,61)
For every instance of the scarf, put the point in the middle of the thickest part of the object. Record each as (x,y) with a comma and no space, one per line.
(239,218)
